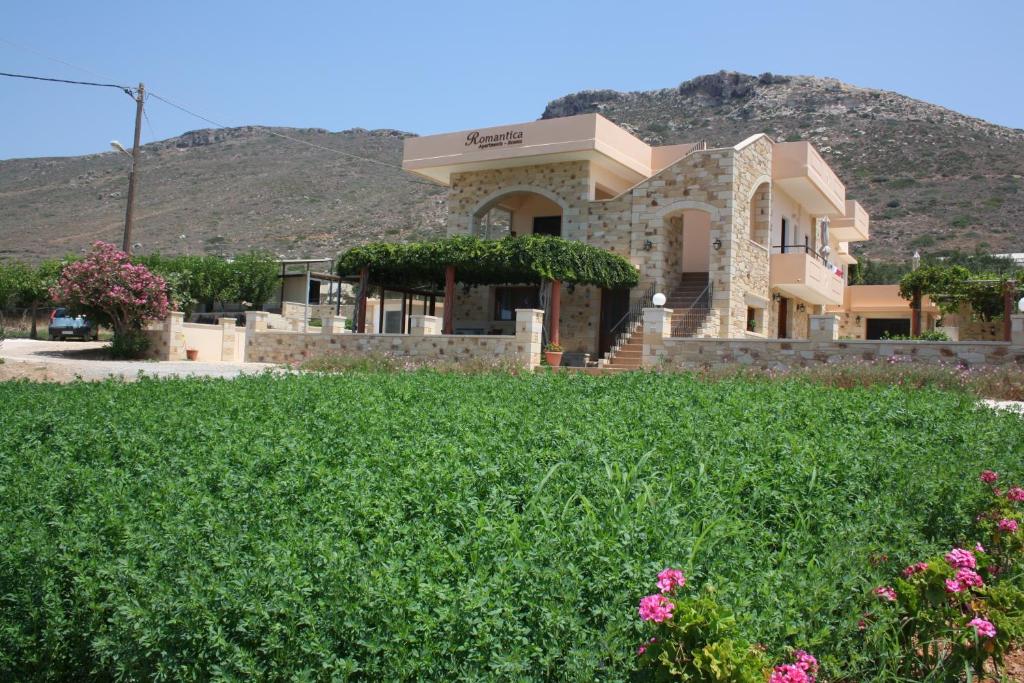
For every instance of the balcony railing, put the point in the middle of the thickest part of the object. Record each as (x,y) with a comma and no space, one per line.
(799,271)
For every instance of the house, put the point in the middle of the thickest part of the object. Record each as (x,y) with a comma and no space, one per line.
(878,311)
(744,241)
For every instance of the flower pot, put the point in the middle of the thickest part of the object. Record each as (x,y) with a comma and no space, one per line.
(191,354)
(554,358)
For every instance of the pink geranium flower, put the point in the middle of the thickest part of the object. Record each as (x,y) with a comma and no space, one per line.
(1015,494)
(954,586)
(656,608)
(1008,526)
(670,579)
(915,569)
(969,578)
(983,627)
(959,558)
(789,673)
(989,477)
(979,548)
(887,593)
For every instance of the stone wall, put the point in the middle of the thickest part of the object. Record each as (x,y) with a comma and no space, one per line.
(425,344)
(169,339)
(784,354)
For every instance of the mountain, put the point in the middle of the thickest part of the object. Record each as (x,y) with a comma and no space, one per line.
(932,178)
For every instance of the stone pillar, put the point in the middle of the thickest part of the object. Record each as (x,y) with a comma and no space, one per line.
(228,334)
(657,326)
(333,325)
(1017,330)
(420,325)
(824,327)
(529,331)
(175,331)
(256,321)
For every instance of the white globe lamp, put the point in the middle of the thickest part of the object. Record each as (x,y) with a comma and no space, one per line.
(658,299)
(1020,305)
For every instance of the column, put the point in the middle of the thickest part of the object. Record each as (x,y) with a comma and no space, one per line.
(529,332)
(824,327)
(228,337)
(657,326)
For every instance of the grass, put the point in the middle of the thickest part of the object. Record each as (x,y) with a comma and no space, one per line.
(443,526)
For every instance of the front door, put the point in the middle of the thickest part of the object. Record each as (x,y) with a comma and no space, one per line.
(614,307)
(783,317)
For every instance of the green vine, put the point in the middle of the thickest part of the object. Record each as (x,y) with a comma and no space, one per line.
(952,285)
(527,259)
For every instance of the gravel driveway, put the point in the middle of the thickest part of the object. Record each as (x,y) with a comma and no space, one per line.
(66,361)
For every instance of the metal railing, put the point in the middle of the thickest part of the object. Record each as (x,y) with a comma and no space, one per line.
(626,325)
(688,321)
(797,248)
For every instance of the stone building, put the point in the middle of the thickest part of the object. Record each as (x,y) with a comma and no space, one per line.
(744,241)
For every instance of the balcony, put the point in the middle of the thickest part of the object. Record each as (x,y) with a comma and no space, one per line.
(800,273)
(852,226)
(843,254)
(800,171)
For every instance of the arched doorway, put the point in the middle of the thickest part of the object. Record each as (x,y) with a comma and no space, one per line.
(518,211)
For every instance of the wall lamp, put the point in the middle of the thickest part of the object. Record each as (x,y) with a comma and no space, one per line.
(800,307)
(857,320)
(776,297)
(648,245)
(717,244)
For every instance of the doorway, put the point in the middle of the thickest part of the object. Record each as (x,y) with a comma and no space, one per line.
(547,225)
(783,317)
(877,328)
(614,307)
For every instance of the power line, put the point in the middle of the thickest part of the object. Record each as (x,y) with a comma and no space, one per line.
(51,58)
(301,142)
(125,88)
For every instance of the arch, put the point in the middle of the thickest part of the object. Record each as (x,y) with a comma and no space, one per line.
(491,200)
(759,211)
(681,205)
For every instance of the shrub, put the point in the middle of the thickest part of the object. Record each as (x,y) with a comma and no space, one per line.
(113,291)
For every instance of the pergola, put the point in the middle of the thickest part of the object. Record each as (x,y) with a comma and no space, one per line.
(426,267)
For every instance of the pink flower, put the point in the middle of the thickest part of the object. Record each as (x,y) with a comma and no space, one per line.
(670,579)
(989,477)
(954,586)
(1015,494)
(979,548)
(806,661)
(886,593)
(656,608)
(959,558)
(1008,526)
(789,673)
(982,627)
(968,578)
(640,650)
(915,569)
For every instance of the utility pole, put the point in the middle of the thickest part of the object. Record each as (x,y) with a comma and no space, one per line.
(126,244)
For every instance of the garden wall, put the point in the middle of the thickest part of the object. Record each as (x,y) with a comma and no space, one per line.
(170,338)
(425,343)
(822,348)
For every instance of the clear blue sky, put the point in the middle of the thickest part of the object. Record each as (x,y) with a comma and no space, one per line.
(436,66)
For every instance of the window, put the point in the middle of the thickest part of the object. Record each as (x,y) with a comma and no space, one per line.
(785,234)
(755,319)
(547,225)
(314,292)
(508,299)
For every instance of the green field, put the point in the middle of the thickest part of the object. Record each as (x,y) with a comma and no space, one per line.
(424,526)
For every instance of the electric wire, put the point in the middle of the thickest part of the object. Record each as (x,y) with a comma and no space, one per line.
(125,88)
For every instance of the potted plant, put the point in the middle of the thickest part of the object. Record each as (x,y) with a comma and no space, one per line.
(191,354)
(752,325)
(553,354)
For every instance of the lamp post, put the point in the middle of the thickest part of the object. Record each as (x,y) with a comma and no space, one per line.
(140,96)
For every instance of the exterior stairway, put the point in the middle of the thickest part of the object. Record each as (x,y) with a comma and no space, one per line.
(688,320)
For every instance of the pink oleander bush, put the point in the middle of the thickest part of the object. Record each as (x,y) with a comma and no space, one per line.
(113,291)
(696,639)
(955,616)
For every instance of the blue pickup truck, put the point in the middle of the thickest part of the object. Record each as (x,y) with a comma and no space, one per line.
(63,325)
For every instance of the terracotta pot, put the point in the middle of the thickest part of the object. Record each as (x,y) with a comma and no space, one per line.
(554,358)
(191,354)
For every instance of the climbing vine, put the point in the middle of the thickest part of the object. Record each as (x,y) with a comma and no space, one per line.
(951,285)
(526,259)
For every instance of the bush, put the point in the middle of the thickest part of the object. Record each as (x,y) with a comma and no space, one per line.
(129,345)
(432,526)
(928,335)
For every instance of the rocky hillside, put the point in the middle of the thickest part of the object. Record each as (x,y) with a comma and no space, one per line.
(225,191)
(932,178)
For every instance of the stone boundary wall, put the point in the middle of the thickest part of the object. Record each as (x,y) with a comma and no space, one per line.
(425,343)
(169,339)
(661,350)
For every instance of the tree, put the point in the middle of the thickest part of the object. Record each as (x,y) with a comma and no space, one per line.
(112,290)
(254,278)
(33,287)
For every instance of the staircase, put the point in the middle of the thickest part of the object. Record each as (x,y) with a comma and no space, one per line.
(690,302)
